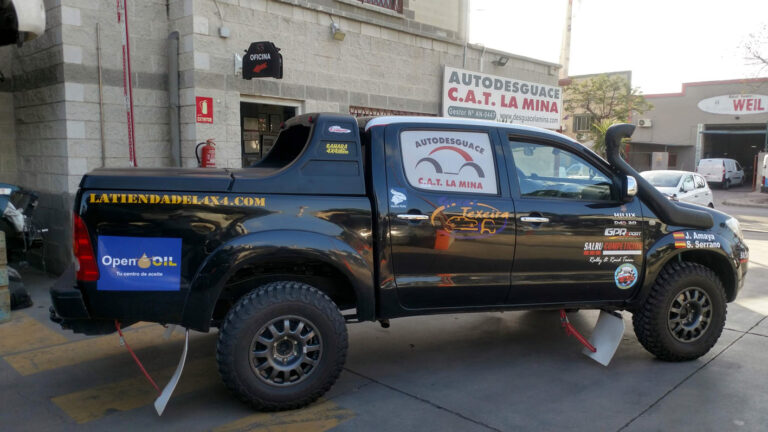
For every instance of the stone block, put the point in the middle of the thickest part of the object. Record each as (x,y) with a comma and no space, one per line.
(77,165)
(75,129)
(74,92)
(370,30)
(73,54)
(202,61)
(200,25)
(260,5)
(70,16)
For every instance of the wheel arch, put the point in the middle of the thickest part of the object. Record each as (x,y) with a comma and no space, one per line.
(286,248)
(715,259)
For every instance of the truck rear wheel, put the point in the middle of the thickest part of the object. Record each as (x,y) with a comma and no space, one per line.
(282,346)
(684,313)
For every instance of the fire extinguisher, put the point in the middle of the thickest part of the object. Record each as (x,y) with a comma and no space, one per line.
(208,154)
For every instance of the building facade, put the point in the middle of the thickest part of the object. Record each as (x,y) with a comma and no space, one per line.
(64,109)
(714,119)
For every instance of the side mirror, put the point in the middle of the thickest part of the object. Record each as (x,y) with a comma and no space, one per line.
(630,189)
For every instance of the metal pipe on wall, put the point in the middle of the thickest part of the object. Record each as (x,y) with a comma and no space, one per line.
(101,97)
(173,97)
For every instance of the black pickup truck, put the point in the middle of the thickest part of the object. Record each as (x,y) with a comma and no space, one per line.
(350,220)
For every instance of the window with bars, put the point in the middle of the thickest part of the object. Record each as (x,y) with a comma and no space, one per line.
(395,5)
(582,123)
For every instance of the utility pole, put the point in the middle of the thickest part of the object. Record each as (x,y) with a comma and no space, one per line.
(565,48)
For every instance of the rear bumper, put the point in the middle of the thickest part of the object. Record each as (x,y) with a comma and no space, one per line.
(69,308)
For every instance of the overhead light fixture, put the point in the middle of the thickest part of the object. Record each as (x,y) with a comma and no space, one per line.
(501,61)
(336,32)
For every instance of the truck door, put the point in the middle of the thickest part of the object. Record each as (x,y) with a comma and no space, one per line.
(451,217)
(576,240)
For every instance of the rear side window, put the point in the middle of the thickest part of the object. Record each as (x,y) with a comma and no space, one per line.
(700,183)
(449,161)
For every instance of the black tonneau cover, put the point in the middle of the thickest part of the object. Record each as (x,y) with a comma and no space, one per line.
(158,179)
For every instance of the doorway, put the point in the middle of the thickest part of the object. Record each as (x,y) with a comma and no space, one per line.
(259,125)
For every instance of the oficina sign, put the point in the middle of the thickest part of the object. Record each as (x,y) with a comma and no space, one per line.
(488,97)
(740,104)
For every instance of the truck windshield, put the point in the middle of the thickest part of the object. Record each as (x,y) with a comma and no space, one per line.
(662,179)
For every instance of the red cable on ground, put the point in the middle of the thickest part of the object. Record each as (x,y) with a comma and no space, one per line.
(146,374)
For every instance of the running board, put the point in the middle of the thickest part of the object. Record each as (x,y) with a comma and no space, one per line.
(165,396)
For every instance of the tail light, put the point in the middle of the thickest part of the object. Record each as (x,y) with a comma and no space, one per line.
(87,267)
(723,173)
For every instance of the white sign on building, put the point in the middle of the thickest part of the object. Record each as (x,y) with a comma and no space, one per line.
(739,104)
(488,97)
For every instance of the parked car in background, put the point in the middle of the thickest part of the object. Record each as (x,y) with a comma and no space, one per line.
(682,186)
(764,182)
(723,172)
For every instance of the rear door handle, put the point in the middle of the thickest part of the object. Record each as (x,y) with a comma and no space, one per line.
(412,217)
(534,219)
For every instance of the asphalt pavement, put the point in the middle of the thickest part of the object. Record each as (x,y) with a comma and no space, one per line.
(475,372)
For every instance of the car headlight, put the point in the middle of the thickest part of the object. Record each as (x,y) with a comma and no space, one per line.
(734,226)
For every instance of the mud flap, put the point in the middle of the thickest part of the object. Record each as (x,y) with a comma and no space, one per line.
(606,337)
(165,396)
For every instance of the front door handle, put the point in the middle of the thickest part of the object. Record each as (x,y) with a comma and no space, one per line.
(534,219)
(413,217)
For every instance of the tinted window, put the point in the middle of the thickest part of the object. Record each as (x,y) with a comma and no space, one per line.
(449,161)
(546,171)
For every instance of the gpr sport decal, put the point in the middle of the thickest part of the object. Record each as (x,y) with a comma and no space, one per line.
(398,198)
(338,129)
(625,276)
(620,232)
(468,218)
(695,240)
(139,264)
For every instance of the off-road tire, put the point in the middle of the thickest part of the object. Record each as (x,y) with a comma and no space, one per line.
(651,318)
(257,309)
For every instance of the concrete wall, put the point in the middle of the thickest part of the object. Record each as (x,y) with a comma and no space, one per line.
(148,29)
(380,64)
(388,60)
(444,14)
(7,139)
(7,128)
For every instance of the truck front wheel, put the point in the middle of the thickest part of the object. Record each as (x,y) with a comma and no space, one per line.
(684,313)
(282,346)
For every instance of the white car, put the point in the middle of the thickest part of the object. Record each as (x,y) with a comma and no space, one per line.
(682,186)
(724,172)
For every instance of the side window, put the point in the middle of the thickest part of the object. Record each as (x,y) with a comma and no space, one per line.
(738,167)
(546,171)
(688,184)
(700,183)
(449,161)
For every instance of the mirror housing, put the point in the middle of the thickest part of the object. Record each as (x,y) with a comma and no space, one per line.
(630,189)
